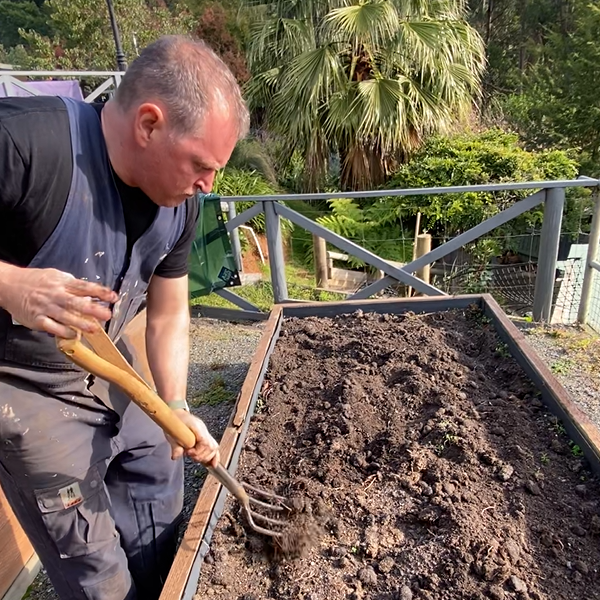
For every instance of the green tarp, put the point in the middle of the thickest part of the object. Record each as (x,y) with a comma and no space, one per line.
(212,263)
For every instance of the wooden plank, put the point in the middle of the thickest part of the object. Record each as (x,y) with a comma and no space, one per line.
(578,425)
(391,305)
(351,248)
(227,314)
(518,208)
(15,551)
(255,368)
(179,573)
(237,300)
(25,578)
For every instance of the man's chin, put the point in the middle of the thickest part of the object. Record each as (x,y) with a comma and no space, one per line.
(170,202)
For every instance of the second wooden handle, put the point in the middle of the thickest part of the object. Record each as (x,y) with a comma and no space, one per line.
(138,391)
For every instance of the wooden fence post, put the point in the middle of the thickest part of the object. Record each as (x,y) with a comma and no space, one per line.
(423,247)
(320,254)
(276,258)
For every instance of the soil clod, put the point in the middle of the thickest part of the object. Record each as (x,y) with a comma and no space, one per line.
(405,593)
(367,576)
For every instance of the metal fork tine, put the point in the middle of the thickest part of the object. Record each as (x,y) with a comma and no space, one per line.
(265,504)
(268,519)
(260,529)
(263,492)
(237,489)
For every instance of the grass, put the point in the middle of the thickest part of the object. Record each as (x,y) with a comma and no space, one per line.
(561,366)
(216,393)
(301,286)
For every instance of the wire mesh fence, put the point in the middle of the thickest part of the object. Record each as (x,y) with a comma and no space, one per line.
(510,278)
(504,264)
(593,313)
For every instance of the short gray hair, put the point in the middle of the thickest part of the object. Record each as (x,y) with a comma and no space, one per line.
(189,78)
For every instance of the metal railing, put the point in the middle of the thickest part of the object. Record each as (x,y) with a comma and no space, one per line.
(551,194)
(10,79)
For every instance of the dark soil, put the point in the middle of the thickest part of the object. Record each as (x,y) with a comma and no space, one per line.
(427,458)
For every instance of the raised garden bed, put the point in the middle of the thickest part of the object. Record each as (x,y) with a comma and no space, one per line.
(422,445)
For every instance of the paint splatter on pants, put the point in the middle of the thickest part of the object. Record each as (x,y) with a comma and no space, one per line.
(99,497)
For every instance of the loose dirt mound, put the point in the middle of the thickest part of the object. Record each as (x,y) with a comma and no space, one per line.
(428,459)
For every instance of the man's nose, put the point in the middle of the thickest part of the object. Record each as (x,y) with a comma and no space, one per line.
(205,182)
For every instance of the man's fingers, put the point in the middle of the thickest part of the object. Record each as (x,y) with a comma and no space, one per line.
(79,287)
(206,450)
(216,458)
(72,319)
(52,327)
(86,306)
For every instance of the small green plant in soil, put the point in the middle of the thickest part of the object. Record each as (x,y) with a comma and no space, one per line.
(216,393)
(502,351)
(557,426)
(575,449)
(260,404)
(545,459)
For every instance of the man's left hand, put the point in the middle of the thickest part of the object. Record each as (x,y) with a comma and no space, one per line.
(206,450)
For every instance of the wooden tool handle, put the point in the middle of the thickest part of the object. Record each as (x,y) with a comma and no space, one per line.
(135,388)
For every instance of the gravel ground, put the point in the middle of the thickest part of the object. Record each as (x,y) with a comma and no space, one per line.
(220,354)
(573,355)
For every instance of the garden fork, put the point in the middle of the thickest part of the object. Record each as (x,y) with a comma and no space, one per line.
(105,361)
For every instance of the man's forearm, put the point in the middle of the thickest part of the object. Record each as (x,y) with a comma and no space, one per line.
(167,347)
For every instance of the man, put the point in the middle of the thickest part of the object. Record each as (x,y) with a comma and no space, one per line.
(97,215)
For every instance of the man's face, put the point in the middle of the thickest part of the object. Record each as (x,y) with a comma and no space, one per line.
(172,167)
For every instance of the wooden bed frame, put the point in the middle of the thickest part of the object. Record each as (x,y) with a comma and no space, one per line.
(182,581)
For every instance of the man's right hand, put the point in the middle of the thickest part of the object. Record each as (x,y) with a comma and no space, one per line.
(53,301)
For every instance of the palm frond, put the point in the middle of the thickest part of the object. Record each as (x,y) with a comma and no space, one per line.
(372,23)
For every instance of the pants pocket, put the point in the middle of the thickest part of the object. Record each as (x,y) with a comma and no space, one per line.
(77,516)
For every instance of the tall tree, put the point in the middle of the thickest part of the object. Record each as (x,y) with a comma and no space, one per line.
(515,33)
(559,104)
(25,14)
(83,37)
(366,79)
(216,26)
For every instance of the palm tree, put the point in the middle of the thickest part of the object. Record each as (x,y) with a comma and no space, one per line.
(365,80)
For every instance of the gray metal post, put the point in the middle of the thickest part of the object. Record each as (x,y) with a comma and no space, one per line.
(275,245)
(549,242)
(121,62)
(236,246)
(592,253)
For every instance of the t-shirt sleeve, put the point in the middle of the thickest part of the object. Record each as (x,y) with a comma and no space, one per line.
(177,262)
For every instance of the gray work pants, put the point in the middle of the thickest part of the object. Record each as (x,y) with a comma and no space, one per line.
(98,496)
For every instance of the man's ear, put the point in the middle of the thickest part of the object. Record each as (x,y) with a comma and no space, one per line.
(149,121)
